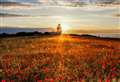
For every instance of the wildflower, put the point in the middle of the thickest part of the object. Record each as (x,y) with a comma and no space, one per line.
(51,80)
(107,80)
(39,80)
(3,81)
(99,80)
(103,65)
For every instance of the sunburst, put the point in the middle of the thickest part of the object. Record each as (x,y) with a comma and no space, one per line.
(65,27)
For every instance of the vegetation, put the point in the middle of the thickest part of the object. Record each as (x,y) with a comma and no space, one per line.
(63,58)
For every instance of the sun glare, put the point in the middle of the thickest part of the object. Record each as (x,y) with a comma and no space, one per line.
(65,27)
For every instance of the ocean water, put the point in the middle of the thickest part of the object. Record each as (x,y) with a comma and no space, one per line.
(15,30)
(111,35)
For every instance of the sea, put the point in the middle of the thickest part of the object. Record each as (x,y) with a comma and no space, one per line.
(16,30)
(42,30)
(110,35)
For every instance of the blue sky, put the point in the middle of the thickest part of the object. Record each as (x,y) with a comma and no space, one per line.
(43,14)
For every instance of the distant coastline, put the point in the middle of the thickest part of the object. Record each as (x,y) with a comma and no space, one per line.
(14,30)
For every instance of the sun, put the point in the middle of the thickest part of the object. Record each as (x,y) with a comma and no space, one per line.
(65,27)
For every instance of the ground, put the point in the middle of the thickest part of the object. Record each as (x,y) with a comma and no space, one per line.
(62,58)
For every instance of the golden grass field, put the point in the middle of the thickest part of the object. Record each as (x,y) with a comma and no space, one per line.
(61,58)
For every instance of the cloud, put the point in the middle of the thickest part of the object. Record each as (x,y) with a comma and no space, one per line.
(117,15)
(10,4)
(35,4)
(22,1)
(65,2)
(94,31)
(10,15)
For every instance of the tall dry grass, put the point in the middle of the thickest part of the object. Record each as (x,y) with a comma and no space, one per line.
(59,58)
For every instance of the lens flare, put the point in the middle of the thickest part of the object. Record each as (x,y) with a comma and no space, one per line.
(65,27)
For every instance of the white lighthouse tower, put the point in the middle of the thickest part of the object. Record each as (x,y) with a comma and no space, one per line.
(59,29)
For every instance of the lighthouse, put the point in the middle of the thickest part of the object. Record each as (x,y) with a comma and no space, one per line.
(59,29)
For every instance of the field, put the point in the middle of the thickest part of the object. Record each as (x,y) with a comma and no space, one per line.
(63,58)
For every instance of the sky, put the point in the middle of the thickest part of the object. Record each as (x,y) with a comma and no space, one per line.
(71,14)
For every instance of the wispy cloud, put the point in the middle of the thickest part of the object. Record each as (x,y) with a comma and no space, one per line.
(95,31)
(11,5)
(45,13)
(10,15)
(65,2)
(116,15)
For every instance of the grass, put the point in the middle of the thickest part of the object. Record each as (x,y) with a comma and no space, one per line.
(60,58)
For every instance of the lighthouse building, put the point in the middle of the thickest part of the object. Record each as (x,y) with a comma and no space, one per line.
(59,29)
